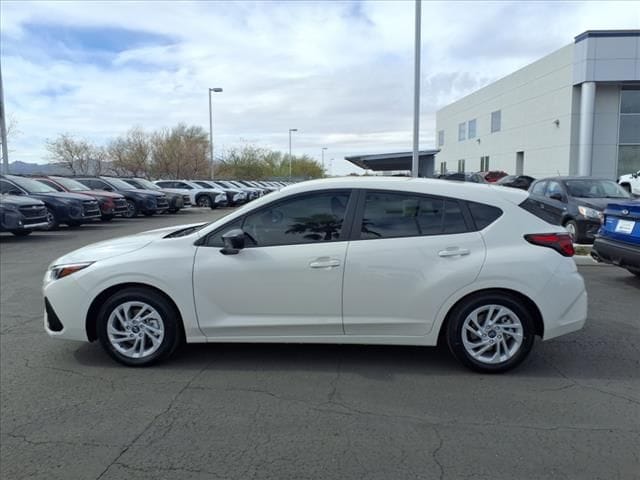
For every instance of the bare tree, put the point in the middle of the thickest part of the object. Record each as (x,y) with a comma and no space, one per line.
(70,153)
(130,155)
(180,152)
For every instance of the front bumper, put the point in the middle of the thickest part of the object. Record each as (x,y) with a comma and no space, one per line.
(616,253)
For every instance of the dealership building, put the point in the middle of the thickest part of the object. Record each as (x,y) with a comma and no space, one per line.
(573,112)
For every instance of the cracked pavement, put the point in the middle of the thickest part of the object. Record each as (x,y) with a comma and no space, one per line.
(225,411)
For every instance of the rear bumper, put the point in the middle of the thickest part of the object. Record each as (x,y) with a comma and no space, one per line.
(616,253)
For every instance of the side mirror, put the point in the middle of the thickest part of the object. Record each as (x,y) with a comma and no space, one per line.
(234,241)
(108,188)
(556,196)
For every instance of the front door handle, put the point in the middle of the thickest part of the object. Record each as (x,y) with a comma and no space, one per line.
(325,262)
(454,252)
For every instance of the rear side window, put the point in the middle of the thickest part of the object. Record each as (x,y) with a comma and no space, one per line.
(393,215)
(483,215)
(538,188)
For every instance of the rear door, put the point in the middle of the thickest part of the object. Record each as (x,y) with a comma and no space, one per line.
(408,254)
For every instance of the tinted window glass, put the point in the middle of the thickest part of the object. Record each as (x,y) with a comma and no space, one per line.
(483,215)
(538,188)
(215,239)
(307,219)
(6,187)
(554,188)
(392,215)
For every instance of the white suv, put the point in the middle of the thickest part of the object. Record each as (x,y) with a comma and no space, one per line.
(631,182)
(200,196)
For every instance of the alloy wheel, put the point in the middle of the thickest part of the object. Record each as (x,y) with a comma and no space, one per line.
(492,334)
(204,201)
(135,329)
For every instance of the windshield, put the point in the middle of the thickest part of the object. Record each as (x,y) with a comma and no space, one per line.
(119,184)
(31,186)
(70,184)
(143,183)
(592,188)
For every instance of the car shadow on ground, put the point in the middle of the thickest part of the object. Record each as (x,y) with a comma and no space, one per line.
(375,362)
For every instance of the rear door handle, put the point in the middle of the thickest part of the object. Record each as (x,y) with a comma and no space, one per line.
(454,252)
(325,262)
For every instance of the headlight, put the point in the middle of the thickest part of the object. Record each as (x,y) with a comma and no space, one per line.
(590,212)
(57,272)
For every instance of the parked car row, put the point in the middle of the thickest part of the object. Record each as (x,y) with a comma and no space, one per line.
(46,202)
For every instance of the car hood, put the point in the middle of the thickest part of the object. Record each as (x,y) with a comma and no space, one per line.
(19,201)
(598,203)
(117,246)
(103,194)
(61,196)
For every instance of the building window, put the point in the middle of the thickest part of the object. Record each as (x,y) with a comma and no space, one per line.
(496,121)
(461,166)
(462,131)
(443,167)
(441,138)
(484,164)
(629,133)
(471,129)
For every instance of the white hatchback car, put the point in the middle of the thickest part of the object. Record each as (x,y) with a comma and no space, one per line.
(371,260)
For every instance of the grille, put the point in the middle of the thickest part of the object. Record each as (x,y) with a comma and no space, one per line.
(35,211)
(90,208)
(162,202)
(186,200)
(120,204)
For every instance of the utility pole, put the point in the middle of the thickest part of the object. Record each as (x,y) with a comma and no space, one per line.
(323,150)
(3,130)
(416,94)
(290,130)
(216,90)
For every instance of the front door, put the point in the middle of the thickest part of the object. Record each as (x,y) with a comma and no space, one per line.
(413,253)
(287,281)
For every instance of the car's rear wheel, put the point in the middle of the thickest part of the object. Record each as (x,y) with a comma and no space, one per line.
(490,332)
(132,210)
(138,327)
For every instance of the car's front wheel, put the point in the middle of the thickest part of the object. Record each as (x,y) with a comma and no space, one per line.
(204,201)
(490,332)
(52,220)
(138,327)
(572,227)
(132,210)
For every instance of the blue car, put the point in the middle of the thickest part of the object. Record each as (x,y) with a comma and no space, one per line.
(618,241)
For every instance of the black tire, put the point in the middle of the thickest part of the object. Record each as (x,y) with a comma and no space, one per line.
(74,224)
(132,210)
(635,271)
(52,220)
(21,233)
(572,225)
(148,213)
(170,319)
(455,324)
(106,218)
(173,210)
(204,201)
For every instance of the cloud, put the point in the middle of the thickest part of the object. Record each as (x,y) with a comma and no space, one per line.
(340,72)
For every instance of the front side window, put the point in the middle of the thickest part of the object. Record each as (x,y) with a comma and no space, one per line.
(496,121)
(393,215)
(554,188)
(312,218)
(6,187)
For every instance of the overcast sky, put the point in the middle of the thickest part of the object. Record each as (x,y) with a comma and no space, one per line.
(340,72)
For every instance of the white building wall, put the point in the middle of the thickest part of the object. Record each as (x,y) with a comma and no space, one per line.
(605,131)
(531,100)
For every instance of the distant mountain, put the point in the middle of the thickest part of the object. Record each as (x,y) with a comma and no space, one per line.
(24,168)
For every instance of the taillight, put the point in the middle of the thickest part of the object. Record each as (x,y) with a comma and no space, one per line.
(560,242)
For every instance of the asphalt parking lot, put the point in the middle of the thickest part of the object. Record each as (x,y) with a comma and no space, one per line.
(572,410)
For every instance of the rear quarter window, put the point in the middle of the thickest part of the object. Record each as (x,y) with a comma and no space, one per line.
(483,215)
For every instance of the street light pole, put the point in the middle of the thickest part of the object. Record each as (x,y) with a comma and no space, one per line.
(290,130)
(323,149)
(215,90)
(3,131)
(416,94)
